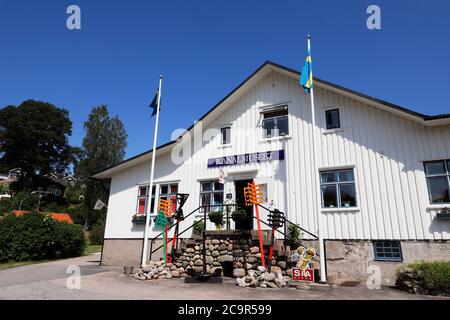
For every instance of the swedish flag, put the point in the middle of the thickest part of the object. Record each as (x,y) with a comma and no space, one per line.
(306,79)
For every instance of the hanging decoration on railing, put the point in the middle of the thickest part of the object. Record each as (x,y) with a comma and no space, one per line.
(162,220)
(253,197)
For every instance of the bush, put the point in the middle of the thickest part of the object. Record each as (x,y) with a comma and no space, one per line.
(294,233)
(198,227)
(96,235)
(5,206)
(29,201)
(78,214)
(36,237)
(435,275)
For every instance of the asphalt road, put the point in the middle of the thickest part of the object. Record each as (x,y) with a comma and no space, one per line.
(48,281)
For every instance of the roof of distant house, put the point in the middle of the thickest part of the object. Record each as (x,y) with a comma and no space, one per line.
(63,217)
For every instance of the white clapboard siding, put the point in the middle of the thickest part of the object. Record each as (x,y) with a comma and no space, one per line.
(386,151)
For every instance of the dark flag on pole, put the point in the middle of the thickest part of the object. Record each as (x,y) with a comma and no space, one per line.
(154,104)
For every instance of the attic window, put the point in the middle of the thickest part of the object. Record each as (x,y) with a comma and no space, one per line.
(275,122)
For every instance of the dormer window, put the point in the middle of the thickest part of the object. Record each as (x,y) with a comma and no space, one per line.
(275,122)
(333,119)
(225,135)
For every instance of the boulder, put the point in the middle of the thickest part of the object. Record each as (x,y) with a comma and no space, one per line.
(254,250)
(175,274)
(198,269)
(215,241)
(271,285)
(169,275)
(269,276)
(251,259)
(209,259)
(215,253)
(198,262)
(275,269)
(147,269)
(190,250)
(280,282)
(238,265)
(222,247)
(281,264)
(238,273)
(261,269)
(241,282)
(196,248)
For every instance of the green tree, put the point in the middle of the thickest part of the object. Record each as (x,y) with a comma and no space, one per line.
(103,146)
(34,137)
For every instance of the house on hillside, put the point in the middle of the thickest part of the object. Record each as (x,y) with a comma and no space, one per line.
(384,172)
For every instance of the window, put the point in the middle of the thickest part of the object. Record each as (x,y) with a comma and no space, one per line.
(211,194)
(169,191)
(338,189)
(333,119)
(142,200)
(275,123)
(166,191)
(438,181)
(225,135)
(387,251)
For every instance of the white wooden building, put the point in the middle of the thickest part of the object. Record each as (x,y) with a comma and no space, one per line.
(385,170)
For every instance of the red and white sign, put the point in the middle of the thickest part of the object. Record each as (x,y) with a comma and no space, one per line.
(299,275)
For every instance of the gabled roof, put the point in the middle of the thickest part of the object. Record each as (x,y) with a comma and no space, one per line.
(263,70)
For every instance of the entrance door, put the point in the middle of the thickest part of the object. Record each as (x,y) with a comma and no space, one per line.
(246,224)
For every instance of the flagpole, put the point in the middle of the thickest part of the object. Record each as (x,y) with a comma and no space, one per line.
(323,276)
(152,174)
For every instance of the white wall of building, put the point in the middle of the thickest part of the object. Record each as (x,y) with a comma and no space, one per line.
(387,152)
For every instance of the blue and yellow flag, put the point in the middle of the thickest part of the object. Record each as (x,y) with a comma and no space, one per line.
(306,79)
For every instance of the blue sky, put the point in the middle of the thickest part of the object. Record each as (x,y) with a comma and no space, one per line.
(205,48)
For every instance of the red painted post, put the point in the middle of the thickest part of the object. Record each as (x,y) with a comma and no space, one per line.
(261,248)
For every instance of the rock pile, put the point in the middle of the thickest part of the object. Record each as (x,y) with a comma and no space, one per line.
(240,253)
(263,279)
(159,270)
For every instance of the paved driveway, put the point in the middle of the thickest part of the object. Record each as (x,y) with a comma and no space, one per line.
(49,281)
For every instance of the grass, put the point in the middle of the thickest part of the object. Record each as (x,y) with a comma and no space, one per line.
(92,248)
(14,264)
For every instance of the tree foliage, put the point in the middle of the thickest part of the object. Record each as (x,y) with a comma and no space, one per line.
(103,146)
(34,137)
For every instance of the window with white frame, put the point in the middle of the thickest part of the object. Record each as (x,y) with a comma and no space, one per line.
(211,194)
(275,122)
(225,135)
(338,188)
(166,191)
(438,180)
(143,199)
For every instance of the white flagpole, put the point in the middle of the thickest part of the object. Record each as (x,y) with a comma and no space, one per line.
(152,173)
(323,277)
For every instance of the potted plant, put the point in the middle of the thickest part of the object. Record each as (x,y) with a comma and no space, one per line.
(444,213)
(239,215)
(216,217)
(139,219)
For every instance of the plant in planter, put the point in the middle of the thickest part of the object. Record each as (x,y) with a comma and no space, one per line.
(198,227)
(444,213)
(138,218)
(239,215)
(216,217)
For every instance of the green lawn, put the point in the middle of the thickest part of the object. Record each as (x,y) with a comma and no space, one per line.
(14,264)
(90,249)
